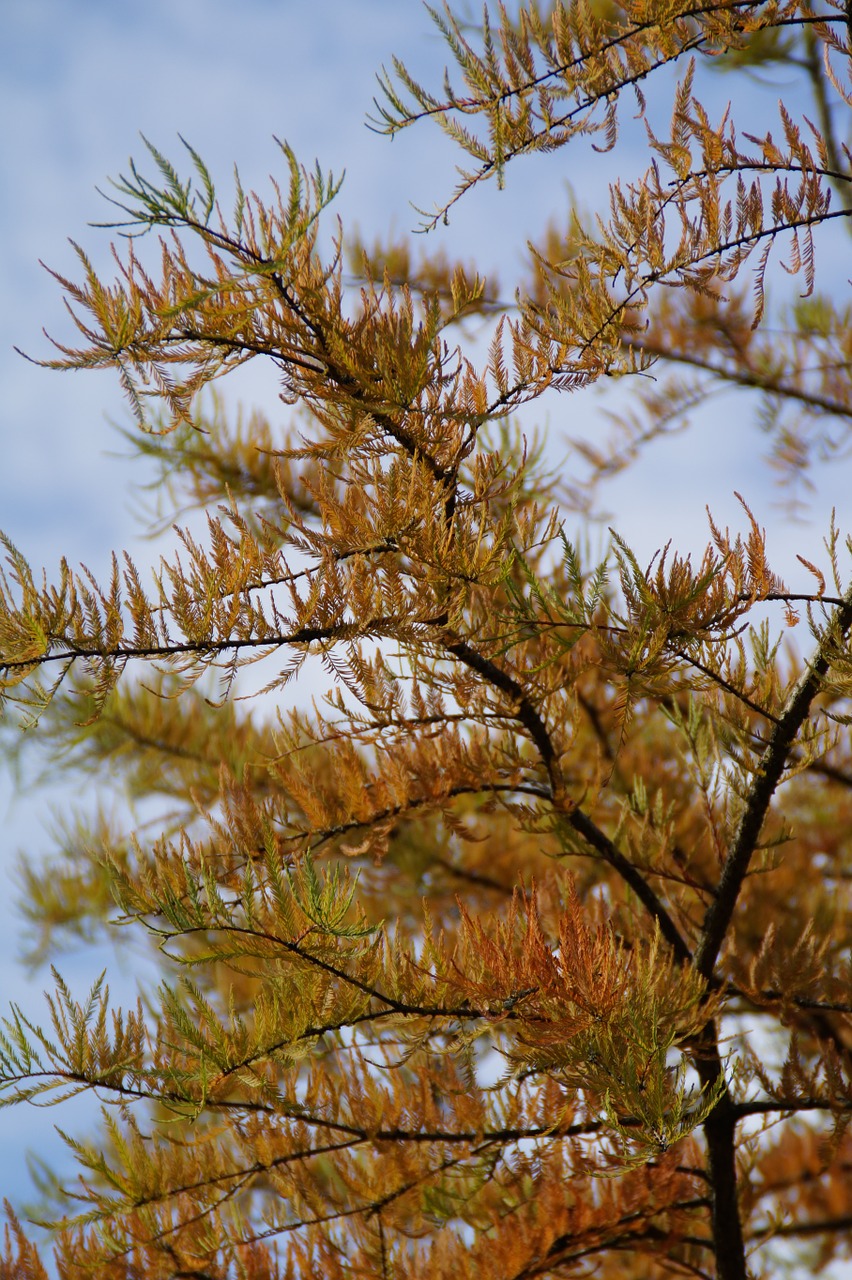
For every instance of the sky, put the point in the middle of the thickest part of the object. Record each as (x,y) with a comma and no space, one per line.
(78,85)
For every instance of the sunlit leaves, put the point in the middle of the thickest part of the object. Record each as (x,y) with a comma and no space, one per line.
(462,965)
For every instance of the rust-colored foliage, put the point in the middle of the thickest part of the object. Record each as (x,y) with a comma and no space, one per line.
(524,953)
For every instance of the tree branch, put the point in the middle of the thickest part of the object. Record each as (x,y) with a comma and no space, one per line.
(567,809)
(767,776)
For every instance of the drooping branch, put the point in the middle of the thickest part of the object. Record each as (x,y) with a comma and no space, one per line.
(567,809)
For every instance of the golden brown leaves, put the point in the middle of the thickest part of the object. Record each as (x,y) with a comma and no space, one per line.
(20,1258)
(498,706)
(599,1016)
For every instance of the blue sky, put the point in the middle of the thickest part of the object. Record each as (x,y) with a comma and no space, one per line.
(78,83)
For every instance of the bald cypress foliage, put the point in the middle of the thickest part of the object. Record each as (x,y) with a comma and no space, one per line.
(524,952)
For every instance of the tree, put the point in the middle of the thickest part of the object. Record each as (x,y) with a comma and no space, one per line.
(478,968)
